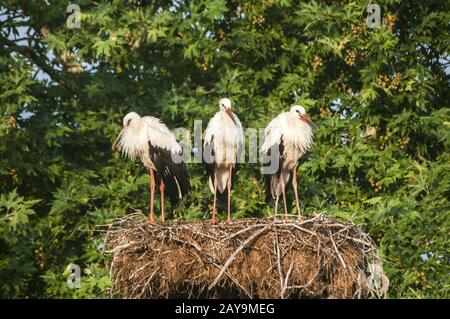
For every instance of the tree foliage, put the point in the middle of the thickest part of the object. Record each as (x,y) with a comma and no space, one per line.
(379,95)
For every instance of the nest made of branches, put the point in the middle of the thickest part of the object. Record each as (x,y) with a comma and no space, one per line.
(319,257)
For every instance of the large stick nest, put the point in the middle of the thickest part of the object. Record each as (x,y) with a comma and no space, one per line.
(319,257)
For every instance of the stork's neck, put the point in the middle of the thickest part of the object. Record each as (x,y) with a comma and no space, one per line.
(228,117)
(296,123)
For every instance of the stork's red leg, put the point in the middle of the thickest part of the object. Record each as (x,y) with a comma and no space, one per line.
(152,194)
(294,186)
(215,198)
(229,192)
(276,205)
(163,213)
(284,197)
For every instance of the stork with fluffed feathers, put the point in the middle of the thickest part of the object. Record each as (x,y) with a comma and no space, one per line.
(150,140)
(290,136)
(223,141)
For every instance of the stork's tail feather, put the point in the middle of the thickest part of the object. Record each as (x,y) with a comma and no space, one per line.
(272,186)
(174,175)
(269,196)
(221,196)
(179,185)
(222,178)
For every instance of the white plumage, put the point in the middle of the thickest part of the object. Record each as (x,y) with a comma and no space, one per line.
(286,139)
(150,140)
(139,131)
(223,141)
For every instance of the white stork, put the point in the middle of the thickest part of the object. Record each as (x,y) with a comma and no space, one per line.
(289,135)
(222,145)
(157,148)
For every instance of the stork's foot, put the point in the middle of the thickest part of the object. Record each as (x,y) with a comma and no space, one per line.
(152,195)
(151,217)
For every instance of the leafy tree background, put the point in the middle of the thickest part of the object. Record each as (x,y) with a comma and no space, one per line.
(380,97)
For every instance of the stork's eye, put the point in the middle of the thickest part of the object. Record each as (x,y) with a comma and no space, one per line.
(128,123)
(298,111)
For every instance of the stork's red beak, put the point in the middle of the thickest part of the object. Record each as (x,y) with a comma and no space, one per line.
(306,119)
(231,115)
(114,146)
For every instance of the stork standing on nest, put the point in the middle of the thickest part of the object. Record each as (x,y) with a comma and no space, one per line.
(157,148)
(286,139)
(222,144)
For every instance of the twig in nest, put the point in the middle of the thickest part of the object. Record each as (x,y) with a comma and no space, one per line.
(337,251)
(236,252)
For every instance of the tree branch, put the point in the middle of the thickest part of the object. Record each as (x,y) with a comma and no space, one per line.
(41,62)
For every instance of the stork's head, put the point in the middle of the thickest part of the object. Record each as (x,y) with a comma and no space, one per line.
(299,112)
(130,119)
(225,106)
(128,138)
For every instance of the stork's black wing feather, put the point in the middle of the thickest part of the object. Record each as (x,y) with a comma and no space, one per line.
(210,166)
(268,177)
(174,175)
(208,153)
